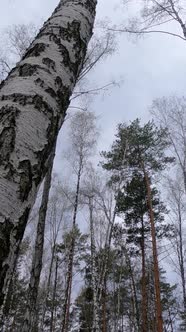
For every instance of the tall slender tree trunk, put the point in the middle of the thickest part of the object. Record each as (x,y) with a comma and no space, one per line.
(144,290)
(131,272)
(47,288)
(52,328)
(30,323)
(95,327)
(105,262)
(119,300)
(68,290)
(171,322)
(158,304)
(33,103)
(104,306)
(103,277)
(132,314)
(181,262)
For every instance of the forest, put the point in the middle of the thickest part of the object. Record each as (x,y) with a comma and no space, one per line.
(92,166)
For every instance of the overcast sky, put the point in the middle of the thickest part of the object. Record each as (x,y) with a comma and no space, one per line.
(153,67)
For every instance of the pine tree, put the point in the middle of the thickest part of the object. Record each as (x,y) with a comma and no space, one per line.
(145,153)
(132,204)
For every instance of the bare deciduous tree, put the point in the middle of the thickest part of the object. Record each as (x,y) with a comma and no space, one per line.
(171,113)
(15,41)
(155,16)
(176,201)
(83,140)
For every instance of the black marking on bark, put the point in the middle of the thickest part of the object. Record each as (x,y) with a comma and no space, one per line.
(63,94)
(90,5)
(2,83)
(7,139)
(73,32)
(35,51)
(70,32)
(25,179)
(27,70)
(6,230)
(42,105)
(58,82)
(49,63)
(51,92)
(40,82)
(7,136)
(35,100)
(44,155)
(18,98)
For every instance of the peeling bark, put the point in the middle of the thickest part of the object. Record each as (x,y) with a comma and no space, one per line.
(33,102)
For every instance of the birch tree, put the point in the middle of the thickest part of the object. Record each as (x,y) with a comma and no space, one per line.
(176,201)
(34,100)
(15,40)
(171,113)
(95,327)
(19,38)
(157,16)
(83,139)
(89,193)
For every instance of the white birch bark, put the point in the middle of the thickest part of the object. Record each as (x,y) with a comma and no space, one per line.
(33,103)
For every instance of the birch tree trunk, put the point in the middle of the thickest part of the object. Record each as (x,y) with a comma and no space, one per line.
(68,290)
(95,327)
(180,254)
(52,328)
(30,320)
(33,103)
(47,288)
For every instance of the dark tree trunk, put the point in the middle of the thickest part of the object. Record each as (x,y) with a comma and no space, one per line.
(159,318)
(104,306)
(47,288)
(181,262)
(68,290)
(30,323)
(95,327)
(144,289)
(137,314)
(52,328)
